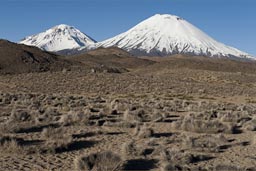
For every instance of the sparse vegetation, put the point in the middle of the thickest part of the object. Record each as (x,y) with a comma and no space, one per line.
(158,117)
(250,125)
(98,161)
(9,145)
(56,139)
(73,117)
(192,124)
(209,143)
(131,150)
(144,131)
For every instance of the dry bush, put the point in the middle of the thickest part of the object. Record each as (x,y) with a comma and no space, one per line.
(73,118)
(190,106)
(9,128)
(166,166)
(35,105)
(157,116)
(176,157)
(128,149)
(250,125)
(153,141)
(131,150)
(191,124)
(122,124)
(223,167)
(4,138)
(56,139)
(143,131)
(209,143)
(19,116)
(48,115)
(136,129)
(233,116)
(18,120)
(10,145)
(103,161)
(134,116)
(114,104)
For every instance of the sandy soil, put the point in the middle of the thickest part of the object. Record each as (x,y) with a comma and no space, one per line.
(161,116)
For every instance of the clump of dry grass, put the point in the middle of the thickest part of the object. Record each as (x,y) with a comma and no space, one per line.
(19,116)
(144,131)
(134,116)
(98,161)
(166,166)
(56,139)
(47,115)
(131,149)
(176,156)
(192,124)
(209,143)
(10,145)
(116,106)
(9,128)
(223,167)
(128,149)
(74,117)
(176,159)
(157,116)
(234,117)
(152,142)
(19,119)
(250,125)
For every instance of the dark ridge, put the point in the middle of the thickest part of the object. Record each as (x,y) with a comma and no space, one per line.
(19,58)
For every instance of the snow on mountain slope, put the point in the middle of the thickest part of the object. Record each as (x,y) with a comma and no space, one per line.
(166,34)
(59,38)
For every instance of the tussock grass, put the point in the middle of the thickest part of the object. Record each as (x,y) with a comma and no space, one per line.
(192,124)
(56,138)
(104,161)
(207,143)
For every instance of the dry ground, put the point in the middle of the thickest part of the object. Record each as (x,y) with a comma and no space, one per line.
(176,114)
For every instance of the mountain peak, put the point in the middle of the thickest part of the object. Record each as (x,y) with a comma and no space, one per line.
(58,38)
(165,34)
(165,16)
(63,27)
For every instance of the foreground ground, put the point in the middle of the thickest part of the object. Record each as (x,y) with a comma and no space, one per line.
(169,115)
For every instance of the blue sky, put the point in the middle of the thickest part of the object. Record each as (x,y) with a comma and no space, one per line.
(232,22)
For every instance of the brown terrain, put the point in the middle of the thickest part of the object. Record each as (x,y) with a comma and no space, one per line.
(110,58)
(16,59)
(107,110)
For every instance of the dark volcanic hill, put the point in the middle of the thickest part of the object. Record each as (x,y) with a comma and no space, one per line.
(111,58)
(200,63)
(17,58)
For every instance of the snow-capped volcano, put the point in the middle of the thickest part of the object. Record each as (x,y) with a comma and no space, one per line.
(59,38)
(166,34)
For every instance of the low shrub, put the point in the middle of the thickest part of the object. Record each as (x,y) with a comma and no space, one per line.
(56,139)
(191,124)
(98,161)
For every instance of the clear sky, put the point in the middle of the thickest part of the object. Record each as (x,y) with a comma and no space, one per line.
(232,22)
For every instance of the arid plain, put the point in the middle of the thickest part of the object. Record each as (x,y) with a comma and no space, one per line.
(107,110)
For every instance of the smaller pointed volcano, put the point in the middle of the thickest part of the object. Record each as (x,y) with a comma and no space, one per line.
(59,38)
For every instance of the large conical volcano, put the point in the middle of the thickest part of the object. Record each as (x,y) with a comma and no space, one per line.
(162,35)
(59,38)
